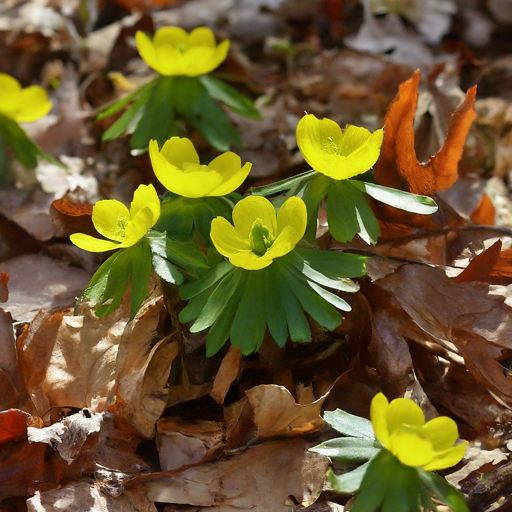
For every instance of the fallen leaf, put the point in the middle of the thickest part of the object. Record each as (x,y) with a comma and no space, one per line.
(70,215)
(260,479)
(269,411)
(184,443)
(484,213)
(13,425)
(40,282)
(70,361)
(4,290)
(227,374)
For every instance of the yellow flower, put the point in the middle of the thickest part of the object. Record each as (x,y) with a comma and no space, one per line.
(258,237)
(174,52)
(400,426)
(22,105)
(121,226)
(178,169)
(336,153)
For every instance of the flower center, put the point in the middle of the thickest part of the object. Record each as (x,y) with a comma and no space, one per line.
(260,238)
(331,147)
(122,223)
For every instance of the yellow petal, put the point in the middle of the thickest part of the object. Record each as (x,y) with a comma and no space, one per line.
(34,104)
(10,94)
(146,195)
(335,154)
(106,215)
(403,411)
(226,238)
(447,458)
(378,410)
(173,36)
(91,244)
(442,433)
(250,260)
(138,227)
(201,36)
(292,218)
(146,49)
(200,60)
(179,151)
(410,448)
(228,166)
(170,61)
(251,208)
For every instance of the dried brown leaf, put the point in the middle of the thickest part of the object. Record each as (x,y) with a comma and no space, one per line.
(227,374)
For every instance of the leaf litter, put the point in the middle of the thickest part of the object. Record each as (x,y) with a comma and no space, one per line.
(120,414)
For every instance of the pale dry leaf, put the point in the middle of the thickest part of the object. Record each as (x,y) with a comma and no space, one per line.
(69,435)
(269,411)
(82,497)
(183,443)
(227,374)
(39,282)
(70,361)
(260,479)
(10,381)
(475,458)
(144,363)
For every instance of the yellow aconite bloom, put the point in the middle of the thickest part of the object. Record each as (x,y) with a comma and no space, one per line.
(22,105)
(178,169)
(121,226)
(257,236)
(400,426)
(174,52)
(336,153)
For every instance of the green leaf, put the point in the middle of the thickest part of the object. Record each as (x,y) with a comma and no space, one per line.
(280,186)
(298,326)
(348,449)
(166,270)
(316,307)
(414,203)
(116,106)
(200,110)
(443,490)
(219,332)
(347,483)
(230,97)
(326,295)
(157,119)
(98,283)
(349,425)
(312,194)
(217,300)
(195,305)
(276,321)
(333,263)
(24,149)
(379,476)
(348,214)
(194,288)
(249,323)
(128,122)
(141,271)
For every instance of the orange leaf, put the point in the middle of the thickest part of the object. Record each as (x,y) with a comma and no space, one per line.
(13,425)
(398,165)
(485,212)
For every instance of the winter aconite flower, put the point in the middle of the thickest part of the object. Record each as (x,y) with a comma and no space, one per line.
(174,52)
(121,226)
(178,169)
(257,236)
(22,105)
(338,154)
(400,426)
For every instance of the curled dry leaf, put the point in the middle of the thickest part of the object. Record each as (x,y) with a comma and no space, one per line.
(260,479)
(10,380)
(71,216)
(492,266)
(227,374)
(184,443)
(13,425)
(70,361)
(144,363)
(269,411)
(398,166)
